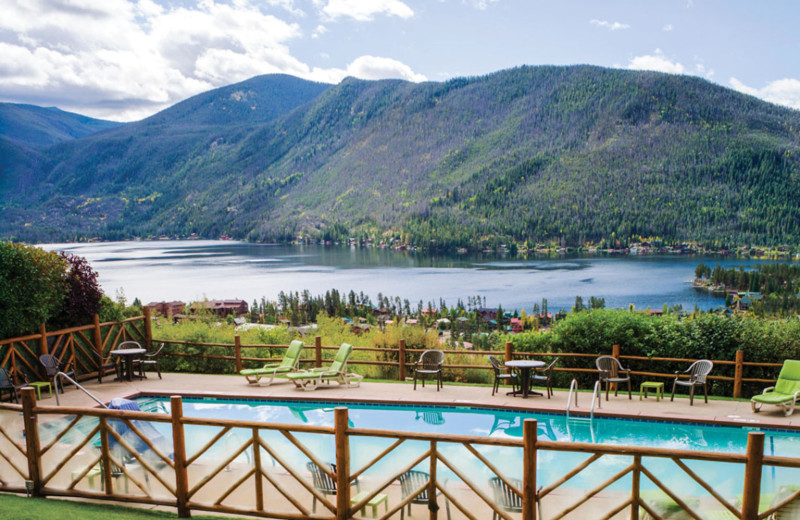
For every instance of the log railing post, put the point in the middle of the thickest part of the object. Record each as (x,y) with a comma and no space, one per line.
(635,481)
(401,360)
(752,475)
(509,355)
(97,338)
(529,493)
(433,507)
(43,340)
(317,351)
(105,456)
(259,482)
(237,345)
(32,446)
(342,463)
(615,354)
(148,328)
(737,374)
(179,457)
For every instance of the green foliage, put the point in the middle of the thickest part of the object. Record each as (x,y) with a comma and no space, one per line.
(22,508)
(32,288)
(563,155)
(83,295)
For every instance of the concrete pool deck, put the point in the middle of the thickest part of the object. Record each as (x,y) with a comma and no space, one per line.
(733,412)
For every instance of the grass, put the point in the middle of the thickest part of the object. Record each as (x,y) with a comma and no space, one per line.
(14,507)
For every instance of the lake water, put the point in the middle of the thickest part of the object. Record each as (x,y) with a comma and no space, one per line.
(193,270)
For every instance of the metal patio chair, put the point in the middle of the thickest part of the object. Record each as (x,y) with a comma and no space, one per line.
(698,372)
(429,364)
(500,376)
(545,378)
(611,371)
(411,481)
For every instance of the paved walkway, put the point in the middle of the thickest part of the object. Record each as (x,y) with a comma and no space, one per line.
(719,411)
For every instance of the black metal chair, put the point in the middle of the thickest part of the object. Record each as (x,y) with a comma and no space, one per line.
(52,366)
(429,364)
(698,374)
(611,371)
(410,482)
(545,378)
(500,375)
(506,498)
(104,364)
(149,360)
(324,483)
(7,384)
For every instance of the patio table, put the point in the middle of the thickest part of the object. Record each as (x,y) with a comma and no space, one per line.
(525,366)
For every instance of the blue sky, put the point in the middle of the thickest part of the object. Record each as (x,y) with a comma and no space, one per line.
(126,59)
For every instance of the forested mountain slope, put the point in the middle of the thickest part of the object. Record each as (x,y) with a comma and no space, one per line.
(575,154)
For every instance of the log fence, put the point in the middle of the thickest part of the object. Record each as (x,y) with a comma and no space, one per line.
(68,448)
(88,348)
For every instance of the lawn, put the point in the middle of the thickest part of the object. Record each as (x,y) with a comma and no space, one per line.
(13,507)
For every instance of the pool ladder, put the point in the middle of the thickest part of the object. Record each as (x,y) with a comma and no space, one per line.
(573,390)
(62,376)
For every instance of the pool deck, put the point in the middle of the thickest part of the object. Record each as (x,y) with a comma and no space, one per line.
(716,411)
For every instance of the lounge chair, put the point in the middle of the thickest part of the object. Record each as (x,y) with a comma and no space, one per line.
(786,391)
(289,364)
(698,372)
(311,379)
(611,371)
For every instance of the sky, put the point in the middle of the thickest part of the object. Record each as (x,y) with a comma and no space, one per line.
(127,59)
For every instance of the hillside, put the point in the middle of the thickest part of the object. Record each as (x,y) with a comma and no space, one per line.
(533,154)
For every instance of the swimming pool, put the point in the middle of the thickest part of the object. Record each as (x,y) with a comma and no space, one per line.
(493,422)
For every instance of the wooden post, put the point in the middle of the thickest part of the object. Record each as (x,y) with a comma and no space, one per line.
(752,475)
(257,468)
(529,494)
(509,354)
(148,328)
(637,471)
(237,344)
(43,340)
(179,457)
(433,507)
(612,387)
(105,457)
(98,347)
(32,439)
(401,360)
(317,351)
(342,463)
(737,374)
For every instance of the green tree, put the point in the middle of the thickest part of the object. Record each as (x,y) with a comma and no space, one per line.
(32,288)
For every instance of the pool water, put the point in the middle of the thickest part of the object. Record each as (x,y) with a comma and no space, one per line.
(486,422)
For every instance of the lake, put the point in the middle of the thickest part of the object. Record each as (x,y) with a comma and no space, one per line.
(196,269)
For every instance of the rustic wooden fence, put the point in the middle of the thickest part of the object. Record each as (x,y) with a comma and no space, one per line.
(88,348)
(65,451)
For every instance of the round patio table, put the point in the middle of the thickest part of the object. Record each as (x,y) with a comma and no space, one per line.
(127,356)
(525,366)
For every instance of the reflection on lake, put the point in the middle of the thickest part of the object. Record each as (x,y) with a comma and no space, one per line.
(192,270)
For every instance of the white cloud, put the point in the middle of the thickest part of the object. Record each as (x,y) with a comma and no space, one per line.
(125,59)
(660,63)
(319,31)
(368,67)
(613,26)
(364,10)
(667,28)
(784,92)
(657,62)
(482,5)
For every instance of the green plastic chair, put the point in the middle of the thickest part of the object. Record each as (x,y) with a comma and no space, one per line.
(289,364)
(311,379)
(786,391)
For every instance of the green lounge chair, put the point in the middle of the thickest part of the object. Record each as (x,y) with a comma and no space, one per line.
(786,391)
(289,364)
(311,379)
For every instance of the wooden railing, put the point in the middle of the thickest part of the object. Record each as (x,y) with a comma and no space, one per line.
(88,348)
(403,355)
(273,483)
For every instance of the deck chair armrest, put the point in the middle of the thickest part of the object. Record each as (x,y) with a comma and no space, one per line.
(270,365)
(797,395)
(768,389)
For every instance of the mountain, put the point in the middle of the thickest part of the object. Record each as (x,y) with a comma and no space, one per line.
(573,154)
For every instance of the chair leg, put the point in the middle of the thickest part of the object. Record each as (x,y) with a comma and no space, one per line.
(415,380)
(705,391)
(158,369)
(447,508)
(313,504)
(629,390)
(608,387)
(674,383)
(495,385)
(691,395)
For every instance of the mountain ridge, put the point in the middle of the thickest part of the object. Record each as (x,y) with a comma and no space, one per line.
(575,154)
